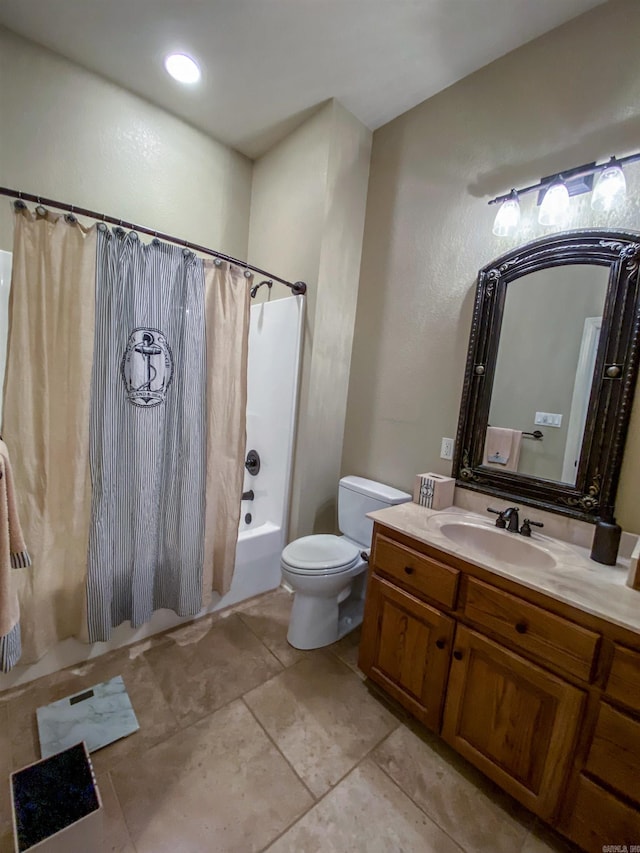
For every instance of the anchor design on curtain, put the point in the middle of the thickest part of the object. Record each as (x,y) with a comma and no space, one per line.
(147,367)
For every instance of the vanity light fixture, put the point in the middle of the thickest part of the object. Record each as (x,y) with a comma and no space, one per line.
(554,192)
(610,189)
(507,217)
(182,68)
(554,209)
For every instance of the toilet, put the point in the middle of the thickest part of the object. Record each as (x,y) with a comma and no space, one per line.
(328,573)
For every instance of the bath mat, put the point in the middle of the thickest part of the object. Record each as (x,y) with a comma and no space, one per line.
(98,716)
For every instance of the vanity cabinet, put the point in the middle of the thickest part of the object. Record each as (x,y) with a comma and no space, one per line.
(512,719)
(539,695)
(406,648)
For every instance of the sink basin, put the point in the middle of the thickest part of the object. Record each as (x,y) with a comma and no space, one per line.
(492,542)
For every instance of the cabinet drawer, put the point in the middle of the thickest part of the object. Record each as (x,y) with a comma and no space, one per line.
(545,636)
(415,571)
(614,756)
(623,683)
(597,818)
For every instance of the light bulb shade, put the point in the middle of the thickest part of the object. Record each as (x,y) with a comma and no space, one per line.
(507,217)
(554,209)
(610,189)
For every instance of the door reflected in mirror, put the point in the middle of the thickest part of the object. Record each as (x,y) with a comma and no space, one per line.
(544,371)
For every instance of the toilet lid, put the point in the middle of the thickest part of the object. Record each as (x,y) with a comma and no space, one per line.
(320,553)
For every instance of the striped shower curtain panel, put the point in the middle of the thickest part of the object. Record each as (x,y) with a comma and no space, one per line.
(147,433)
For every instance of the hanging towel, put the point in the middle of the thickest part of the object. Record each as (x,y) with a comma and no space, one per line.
(13,555)
(502,448)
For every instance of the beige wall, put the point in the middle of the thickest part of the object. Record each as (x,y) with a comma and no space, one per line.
(570,97)
(307,219)
(72,136)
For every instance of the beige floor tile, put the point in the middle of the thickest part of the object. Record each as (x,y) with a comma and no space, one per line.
(116,834)
(365,813)
(322,718)
(542,839)
(347,650)
(5,742)
(269,619)
(6,830)
(481,819)
(154,715)
(219,785)
(202,668)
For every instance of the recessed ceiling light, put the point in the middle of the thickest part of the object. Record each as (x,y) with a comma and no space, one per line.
(182,68)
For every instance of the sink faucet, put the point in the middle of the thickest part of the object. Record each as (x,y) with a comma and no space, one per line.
(510,515)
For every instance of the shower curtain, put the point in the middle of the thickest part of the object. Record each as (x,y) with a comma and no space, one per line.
(46,420)
(130,439)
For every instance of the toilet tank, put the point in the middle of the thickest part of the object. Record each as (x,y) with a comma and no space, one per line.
(357,497)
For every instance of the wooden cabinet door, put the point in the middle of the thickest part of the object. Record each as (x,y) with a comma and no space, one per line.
(513,720)
(405,648)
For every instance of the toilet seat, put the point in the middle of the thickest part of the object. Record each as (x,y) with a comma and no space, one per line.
(321,553)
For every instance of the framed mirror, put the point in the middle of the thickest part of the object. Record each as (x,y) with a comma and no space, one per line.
(551,371)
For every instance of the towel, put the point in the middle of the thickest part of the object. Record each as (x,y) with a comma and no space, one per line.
(502,448)
(13,555)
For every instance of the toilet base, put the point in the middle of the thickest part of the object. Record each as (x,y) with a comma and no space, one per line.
(317,622)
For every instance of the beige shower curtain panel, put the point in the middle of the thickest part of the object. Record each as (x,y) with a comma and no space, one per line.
(227,321)
(46,420)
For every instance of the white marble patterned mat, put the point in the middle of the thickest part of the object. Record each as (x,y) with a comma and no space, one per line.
(99,716)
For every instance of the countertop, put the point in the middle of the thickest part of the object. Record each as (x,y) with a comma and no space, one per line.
(575,580)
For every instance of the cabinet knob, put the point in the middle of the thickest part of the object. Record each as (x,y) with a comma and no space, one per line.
(409,570)
(457,654)
(521,627)
(441,644)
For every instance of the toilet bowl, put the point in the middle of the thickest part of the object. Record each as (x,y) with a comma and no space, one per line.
(321,569)
(328,573)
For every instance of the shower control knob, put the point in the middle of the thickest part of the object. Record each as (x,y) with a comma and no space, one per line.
(252,463)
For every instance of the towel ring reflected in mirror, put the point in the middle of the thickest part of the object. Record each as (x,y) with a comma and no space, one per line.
(555,329)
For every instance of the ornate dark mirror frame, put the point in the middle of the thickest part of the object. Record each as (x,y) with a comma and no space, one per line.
(613,383)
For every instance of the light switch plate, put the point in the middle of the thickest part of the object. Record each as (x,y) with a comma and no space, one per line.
(548,419)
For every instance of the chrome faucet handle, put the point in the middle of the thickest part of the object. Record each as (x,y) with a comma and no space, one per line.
(525,530)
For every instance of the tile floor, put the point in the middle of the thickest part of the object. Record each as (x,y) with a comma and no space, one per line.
(246,744)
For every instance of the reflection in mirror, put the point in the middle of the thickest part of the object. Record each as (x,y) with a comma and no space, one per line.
(544,371)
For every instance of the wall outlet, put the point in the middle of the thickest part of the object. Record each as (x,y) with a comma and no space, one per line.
(446,448)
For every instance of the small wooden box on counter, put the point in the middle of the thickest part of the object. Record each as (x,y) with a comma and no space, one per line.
(434,491)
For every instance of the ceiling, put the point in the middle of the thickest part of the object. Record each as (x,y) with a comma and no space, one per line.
(267,64)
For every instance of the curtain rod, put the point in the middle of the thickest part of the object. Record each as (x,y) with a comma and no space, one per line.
(298,287)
